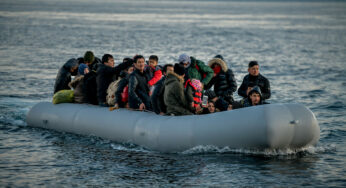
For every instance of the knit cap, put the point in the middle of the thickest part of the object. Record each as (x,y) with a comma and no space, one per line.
(184,58)
(179,69)
(81,68)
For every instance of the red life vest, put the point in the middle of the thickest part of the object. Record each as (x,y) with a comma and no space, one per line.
(197,95)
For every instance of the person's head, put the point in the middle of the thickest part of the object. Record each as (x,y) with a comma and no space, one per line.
(153,60)
(108,60)
(89,57)
(211,106)
(130,69)
(167,68)
(139,62)
(185,60)
(255,95)
(179,69)
(127,59)
(253,68)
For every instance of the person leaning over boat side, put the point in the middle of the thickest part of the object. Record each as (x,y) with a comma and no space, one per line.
(121,94)
(138,86)
(196,69)
(157,100)
(105,74)
(63,78)
(254,98)
(174,95)
(77,84)
(255,78)
(223,80)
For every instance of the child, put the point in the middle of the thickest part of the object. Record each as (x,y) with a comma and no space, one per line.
(194,93)
(155,72)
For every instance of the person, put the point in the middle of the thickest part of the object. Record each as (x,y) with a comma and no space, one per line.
(210,108)
(254,78)
(138,86)
(77,84)
(254,98)
(196,69)
(223,80)
(193,89)
(157,100)
(63,77)
(105,74)
(219,103)
(174,95)
(154,71)
(121,94)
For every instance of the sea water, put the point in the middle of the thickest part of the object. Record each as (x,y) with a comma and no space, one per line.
(300,46)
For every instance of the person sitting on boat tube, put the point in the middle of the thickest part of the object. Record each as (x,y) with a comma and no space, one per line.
(138,86)
(196,69)
(63,78)
(174,95)
(258,79)
(105,74)
(223,81)
(254,98)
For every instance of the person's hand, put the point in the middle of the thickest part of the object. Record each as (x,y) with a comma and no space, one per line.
(161,113)
(192,105)
(215,99)
(116,106)
(141,106)
(230,107)
(198,108)
(248,90)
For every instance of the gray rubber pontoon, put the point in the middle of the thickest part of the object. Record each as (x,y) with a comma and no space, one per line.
(274,126)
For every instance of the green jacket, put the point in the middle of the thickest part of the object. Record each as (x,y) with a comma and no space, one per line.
(174,96)
(194,73)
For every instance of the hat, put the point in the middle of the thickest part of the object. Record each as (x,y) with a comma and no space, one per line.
(219,56)
(89,57)
(81,68)
(179,69)
(184,58)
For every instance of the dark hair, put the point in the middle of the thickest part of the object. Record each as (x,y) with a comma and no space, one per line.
(106,57)
(252,63)
(219,56)
(89,57)
(164,69)
(154,57)
(135,59)
(179,69)
(80,60)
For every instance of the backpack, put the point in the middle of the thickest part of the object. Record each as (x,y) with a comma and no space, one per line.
(63,96)
(112,88)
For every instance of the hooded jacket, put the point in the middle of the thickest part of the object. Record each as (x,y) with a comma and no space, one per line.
(105,75)
(139,90)
(260,81)
(77,85)
(247,102)
(174,96)
(224,82)
(198,70)
(63,77)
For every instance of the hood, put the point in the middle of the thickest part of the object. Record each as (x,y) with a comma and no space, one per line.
(71,63)
(220,62)
(256,89)
(172,77)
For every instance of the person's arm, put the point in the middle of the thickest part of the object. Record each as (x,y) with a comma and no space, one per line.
(62,81)
(205,70)
(117,69)
(243,88)
(266,89)
(133,97)
(157,76)
(232,83)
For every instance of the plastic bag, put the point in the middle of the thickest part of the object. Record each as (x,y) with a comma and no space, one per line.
(63,96)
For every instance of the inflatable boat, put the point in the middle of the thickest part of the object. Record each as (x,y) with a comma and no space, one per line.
(272,126)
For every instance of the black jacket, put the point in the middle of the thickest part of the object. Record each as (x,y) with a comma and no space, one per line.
(260,81)
(247,102)
(139,90)
(157,96)
(90,88)
(63,77)
(105,76)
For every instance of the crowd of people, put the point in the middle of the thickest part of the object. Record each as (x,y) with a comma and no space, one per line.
(187,87)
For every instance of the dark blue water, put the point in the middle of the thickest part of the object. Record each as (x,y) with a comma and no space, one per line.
(301,47)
